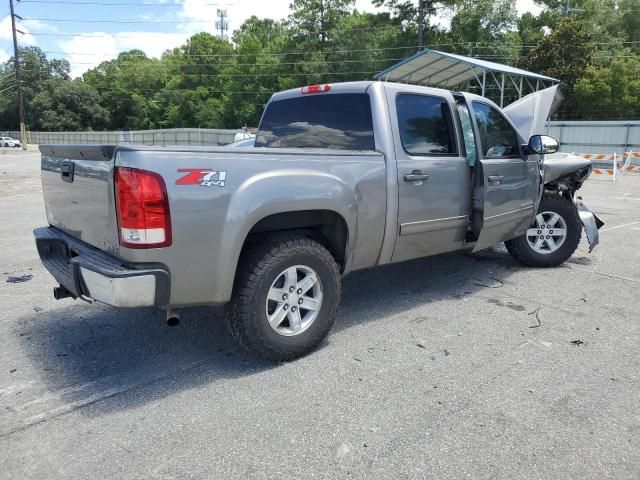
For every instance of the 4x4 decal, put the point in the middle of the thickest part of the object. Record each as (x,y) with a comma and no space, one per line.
(204,177)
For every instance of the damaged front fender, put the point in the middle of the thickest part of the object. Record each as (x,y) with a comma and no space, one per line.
(590,222)
(565,173)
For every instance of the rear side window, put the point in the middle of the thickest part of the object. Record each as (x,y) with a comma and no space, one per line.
(497,138)
(341,121)
(425,125)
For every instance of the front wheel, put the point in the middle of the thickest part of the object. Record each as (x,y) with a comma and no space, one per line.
(553,236)
(285,297)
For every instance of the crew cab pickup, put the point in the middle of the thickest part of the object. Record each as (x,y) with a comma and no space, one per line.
(340,177)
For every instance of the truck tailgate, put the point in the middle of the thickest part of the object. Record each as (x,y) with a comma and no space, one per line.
(77,183)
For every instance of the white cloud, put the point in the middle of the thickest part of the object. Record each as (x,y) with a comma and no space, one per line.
(4,56)
(37,25)
(530,6)
(85,53)
(238,13)
(7,34)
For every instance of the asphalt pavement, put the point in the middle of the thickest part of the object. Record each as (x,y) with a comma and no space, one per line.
(457,366)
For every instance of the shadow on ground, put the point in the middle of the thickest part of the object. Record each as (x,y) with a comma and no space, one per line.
(84,351)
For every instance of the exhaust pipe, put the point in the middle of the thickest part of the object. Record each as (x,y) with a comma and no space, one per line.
(173,317)
(62,292)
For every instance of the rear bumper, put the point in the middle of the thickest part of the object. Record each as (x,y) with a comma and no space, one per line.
(90,273)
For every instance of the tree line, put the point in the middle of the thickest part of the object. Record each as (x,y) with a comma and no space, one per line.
(214,83)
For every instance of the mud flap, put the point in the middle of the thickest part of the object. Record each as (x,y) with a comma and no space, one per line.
(590,222)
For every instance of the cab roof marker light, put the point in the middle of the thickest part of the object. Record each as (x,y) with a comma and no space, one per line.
(315,89)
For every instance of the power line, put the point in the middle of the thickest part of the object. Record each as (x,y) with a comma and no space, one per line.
(232,64)
(267,54)
(293,74)
(10,74)
(83,20)
(115,4)
(8,88)
(268,35)
(278,54)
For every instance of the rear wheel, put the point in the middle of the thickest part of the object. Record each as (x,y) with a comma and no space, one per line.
(553,236)
(285,298)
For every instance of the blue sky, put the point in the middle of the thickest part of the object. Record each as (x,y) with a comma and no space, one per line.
(102,41)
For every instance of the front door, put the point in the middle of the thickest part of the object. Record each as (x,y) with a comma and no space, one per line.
(511,180)
(433,176)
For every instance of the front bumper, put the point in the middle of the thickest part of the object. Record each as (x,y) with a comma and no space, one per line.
(90,273)
(591,224)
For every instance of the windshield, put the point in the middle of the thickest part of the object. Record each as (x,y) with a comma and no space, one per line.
(340,121)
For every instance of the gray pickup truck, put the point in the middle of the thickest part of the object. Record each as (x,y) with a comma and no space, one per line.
(341,177)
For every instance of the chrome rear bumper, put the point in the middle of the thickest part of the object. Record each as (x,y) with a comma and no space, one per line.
(89,273)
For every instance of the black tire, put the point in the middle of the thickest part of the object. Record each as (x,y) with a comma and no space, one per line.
(260,265)
(521,249)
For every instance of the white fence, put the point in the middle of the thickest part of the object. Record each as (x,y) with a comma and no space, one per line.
(171,136)
(596,137)
(574,136)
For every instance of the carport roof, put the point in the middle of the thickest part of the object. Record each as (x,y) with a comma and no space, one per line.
(446,70)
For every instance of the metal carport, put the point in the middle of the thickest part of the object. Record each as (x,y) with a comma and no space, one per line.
(453,72)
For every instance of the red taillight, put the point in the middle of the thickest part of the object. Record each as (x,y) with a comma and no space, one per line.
(315,89)
(142,205)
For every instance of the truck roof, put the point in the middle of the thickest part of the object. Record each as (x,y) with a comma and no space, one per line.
(359,87)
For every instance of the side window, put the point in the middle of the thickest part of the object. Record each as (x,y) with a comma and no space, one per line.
(467,132)
(497,137)
(425,125)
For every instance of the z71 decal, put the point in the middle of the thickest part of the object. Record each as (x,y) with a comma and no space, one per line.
(202,176)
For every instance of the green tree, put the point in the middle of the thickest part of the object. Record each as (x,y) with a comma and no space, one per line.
(407,10)
(67,105)
(127,86)
(315,21)
(611,92)
(198,75)
(486,29)
(258,69)
(564,54)
(37,72)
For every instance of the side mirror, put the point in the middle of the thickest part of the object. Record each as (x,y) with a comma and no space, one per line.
(543,144)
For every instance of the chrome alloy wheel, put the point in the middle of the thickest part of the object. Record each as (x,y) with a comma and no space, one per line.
(548,233)
(294,300)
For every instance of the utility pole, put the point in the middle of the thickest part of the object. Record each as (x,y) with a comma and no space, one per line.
(565,8)
(420,24)
(222,24)
(23,135)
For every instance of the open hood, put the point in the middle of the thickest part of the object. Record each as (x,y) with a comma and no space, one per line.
(530,113)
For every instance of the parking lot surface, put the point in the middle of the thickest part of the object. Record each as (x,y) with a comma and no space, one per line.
(457,366)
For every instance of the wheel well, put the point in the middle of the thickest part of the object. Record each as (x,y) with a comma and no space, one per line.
(324,226)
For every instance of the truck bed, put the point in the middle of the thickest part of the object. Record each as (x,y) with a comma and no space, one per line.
(210,222)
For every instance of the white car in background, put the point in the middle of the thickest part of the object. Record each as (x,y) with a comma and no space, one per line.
(10,142)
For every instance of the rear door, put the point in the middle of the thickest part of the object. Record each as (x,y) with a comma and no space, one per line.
(434,180)
(511,180)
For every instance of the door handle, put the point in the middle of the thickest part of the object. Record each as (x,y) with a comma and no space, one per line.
(496,179)
(66,172)
(416,176)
